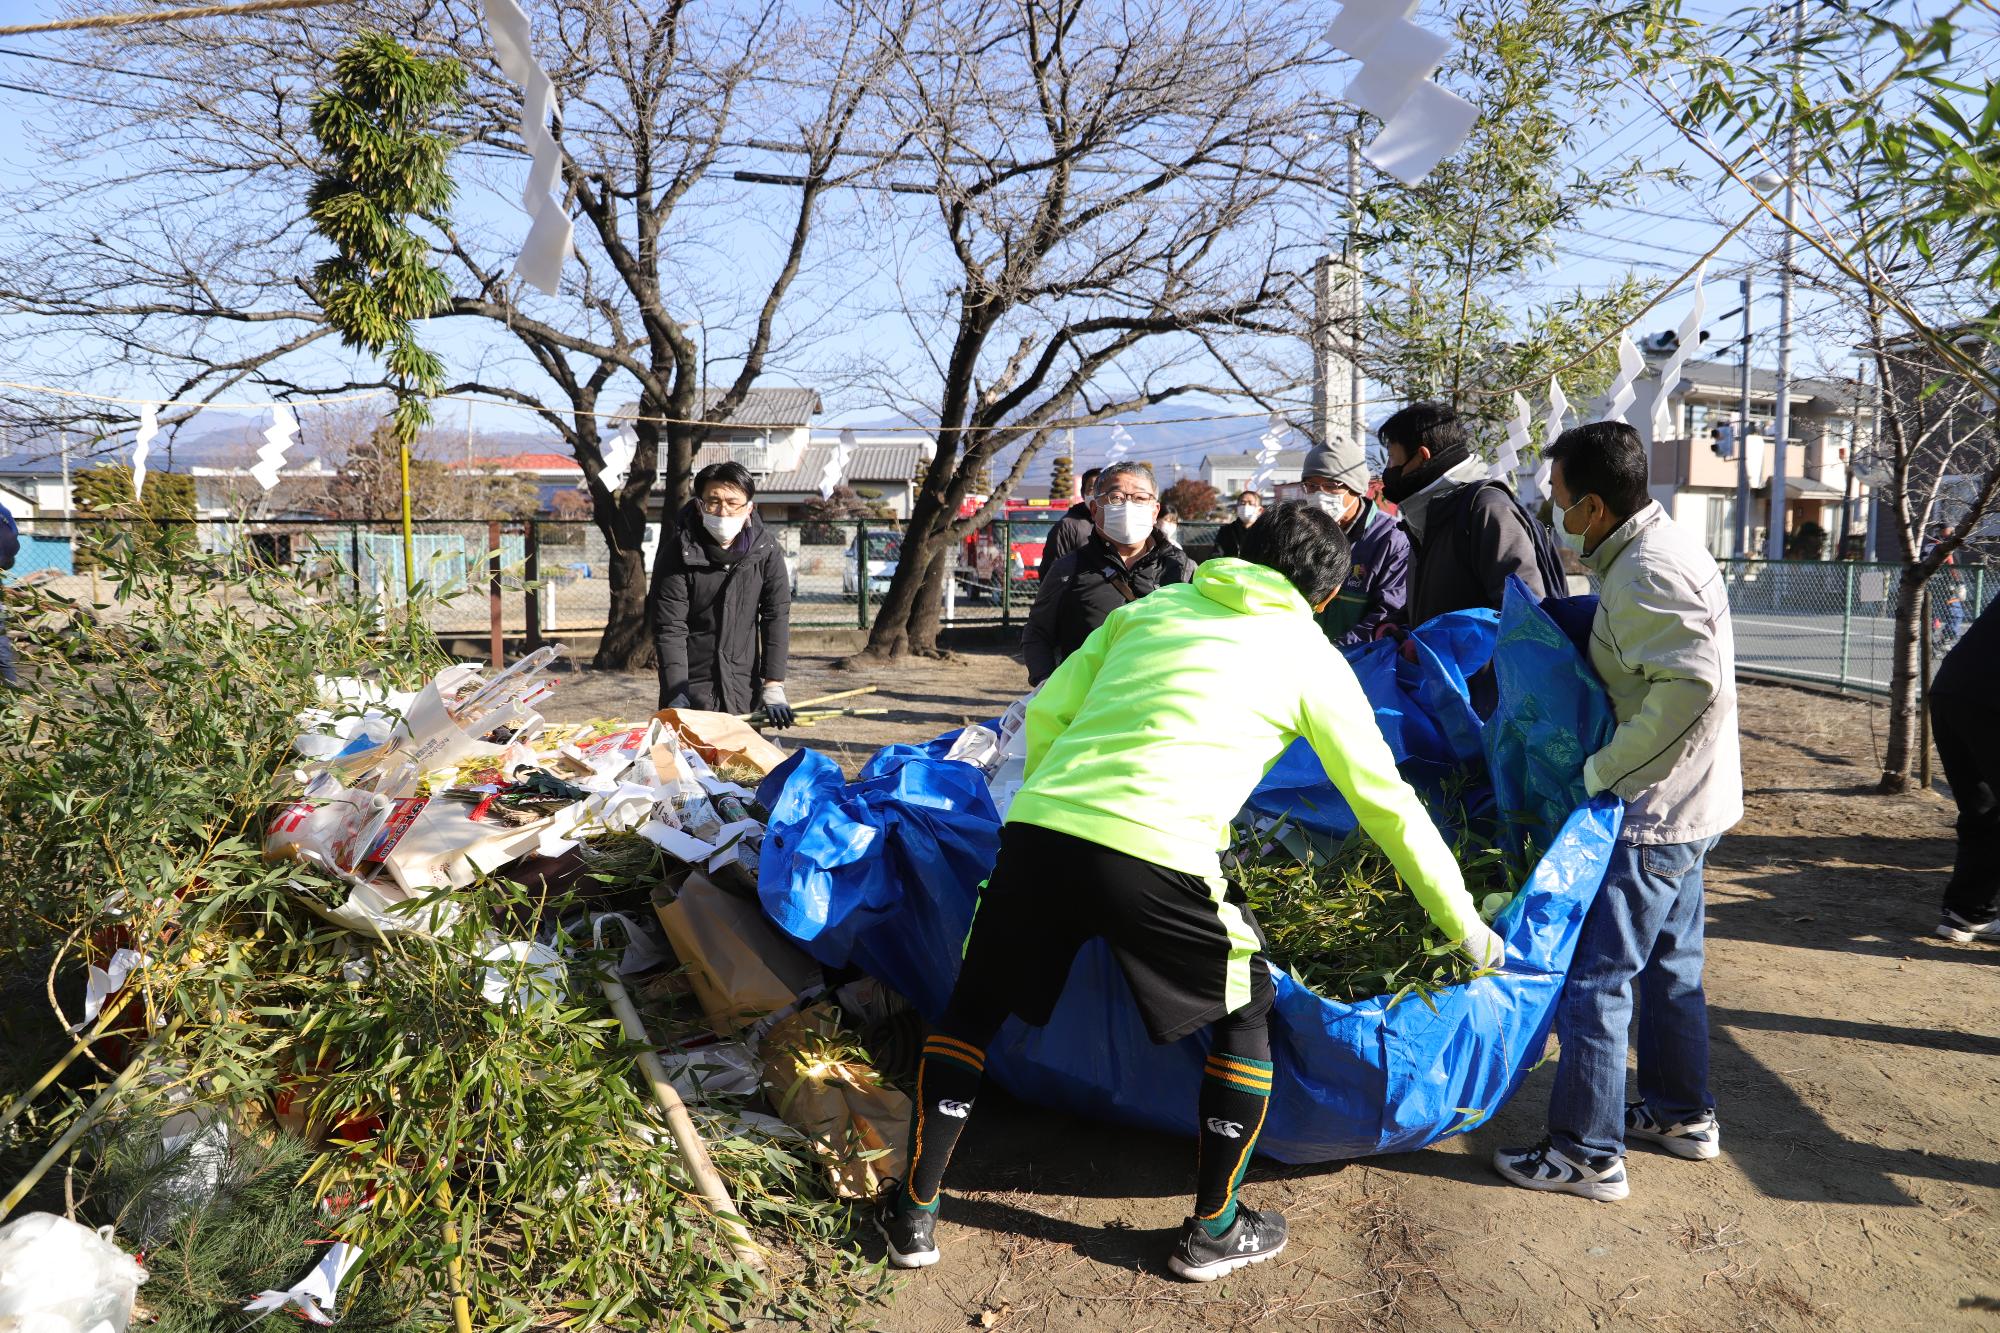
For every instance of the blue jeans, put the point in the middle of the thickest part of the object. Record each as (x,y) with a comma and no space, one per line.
(1644,931)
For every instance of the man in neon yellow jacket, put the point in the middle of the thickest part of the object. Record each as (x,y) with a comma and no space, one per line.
(1142,746)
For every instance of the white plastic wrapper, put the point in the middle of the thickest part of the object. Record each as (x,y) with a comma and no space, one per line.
(58,1277)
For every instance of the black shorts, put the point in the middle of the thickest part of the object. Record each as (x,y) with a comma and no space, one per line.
(1191,950)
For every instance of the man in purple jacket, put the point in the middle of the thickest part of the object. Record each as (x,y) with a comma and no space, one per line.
(1377,588)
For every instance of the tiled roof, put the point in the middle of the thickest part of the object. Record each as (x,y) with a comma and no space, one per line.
(801,480)
(884,462)
(772,406)
(525,463)
(1727,375)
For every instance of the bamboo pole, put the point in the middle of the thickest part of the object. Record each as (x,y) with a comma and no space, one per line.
(461,1308)
(694,1155)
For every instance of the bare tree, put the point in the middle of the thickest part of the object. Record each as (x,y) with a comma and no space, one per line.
(1880,118)
(1114,201)
(196,262)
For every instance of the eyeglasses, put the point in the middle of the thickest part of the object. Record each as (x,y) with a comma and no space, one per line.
(1126,498)
(720,507)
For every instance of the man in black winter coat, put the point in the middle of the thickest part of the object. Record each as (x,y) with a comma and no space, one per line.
(1965,720)
(1072,529)
(1229,537)
(1124,558)
(1466,534)
(722,603)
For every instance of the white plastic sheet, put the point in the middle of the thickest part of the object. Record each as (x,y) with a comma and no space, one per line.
(314,1293)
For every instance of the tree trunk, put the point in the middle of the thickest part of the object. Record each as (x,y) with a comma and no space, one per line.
(1899,753)
(627,645)
(894,633)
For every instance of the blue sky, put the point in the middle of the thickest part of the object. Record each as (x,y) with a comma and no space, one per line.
(1656,234)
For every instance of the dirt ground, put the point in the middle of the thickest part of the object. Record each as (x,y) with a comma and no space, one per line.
(1855,1063)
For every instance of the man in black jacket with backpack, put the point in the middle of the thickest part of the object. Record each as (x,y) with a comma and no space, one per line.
(1467,533)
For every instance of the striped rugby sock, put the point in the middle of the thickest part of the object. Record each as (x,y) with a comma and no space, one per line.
(947,1083)
(1235,1092)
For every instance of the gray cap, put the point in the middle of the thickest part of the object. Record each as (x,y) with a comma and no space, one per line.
(1339,459)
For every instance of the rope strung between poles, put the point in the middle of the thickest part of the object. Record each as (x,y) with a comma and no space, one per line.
(96,21)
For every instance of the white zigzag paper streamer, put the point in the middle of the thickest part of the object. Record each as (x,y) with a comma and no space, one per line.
(1269,445)
(1661,426)
(1618,399)
(836,465)
(101,983)
(549,229)
(1121,444)
(1423,123)
(277,440)
(619,451)
(1508,460)
(142,446)
(315,1292)
(1558,412)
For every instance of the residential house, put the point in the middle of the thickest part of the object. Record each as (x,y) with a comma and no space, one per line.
(1230,474)
(1694,473)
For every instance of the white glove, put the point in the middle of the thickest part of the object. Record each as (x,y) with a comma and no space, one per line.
(1485,947)
(776,707)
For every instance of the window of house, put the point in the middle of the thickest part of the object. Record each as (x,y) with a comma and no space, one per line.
(1721,526)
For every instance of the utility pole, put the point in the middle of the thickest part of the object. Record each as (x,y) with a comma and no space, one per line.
(69,503)
(1351,252)
(1781,416)
(1742,546)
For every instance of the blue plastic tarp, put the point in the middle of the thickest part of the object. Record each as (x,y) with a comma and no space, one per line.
(883,874)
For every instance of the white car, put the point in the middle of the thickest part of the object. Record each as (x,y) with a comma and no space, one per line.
(652,553)
(883,548)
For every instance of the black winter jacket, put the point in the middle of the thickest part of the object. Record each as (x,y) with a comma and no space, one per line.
(1472,540)
(722,625)
(1077,594)
(1229,537)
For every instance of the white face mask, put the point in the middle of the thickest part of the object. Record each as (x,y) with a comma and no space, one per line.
(1171,531)
(1248,513)
(1573,540)
(1329,503)
(724,527)
(1127,524)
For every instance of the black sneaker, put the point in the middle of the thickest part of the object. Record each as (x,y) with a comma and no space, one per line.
(1542,1167)
(1698,1140)
(1251,1239)
(908,1232)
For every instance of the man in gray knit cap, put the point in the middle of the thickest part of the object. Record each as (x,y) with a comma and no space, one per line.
(1377,588)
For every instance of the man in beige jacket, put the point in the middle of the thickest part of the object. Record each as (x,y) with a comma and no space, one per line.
(1662,644)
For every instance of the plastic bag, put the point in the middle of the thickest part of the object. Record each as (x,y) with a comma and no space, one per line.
(884,874)
(58,1277)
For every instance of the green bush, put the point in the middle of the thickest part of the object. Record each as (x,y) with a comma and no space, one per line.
(132,788)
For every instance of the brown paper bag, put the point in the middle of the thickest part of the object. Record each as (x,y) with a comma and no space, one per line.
(722,740)
(819,1083)
(738,964)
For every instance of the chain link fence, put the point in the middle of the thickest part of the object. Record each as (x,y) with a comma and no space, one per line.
(1824,623)
(1832,623)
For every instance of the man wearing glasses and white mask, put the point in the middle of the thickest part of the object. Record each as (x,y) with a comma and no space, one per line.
(1125,558)
(722,603)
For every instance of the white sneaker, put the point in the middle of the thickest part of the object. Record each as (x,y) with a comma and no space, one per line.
(1543,1168)
(1698,1140)
(1955,927)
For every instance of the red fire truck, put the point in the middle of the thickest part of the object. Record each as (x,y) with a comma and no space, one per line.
(1012,542)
